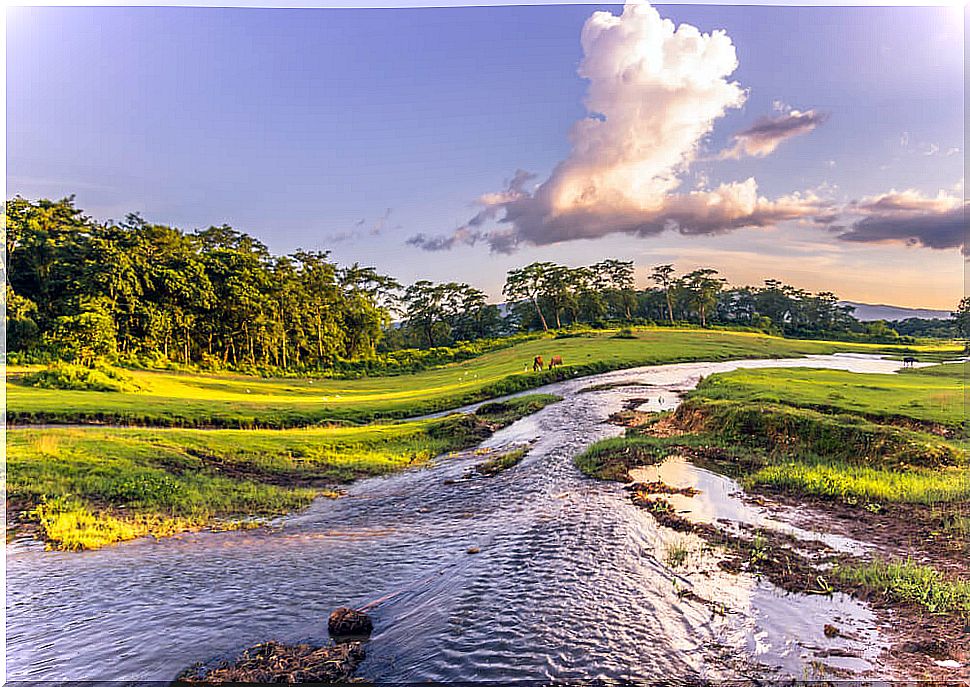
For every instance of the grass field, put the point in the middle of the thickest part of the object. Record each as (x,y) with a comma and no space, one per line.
(208,400)
(932,394)
(91,486)
(858,438)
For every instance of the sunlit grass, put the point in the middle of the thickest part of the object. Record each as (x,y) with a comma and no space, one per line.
(933,394)
(866,485)
(909,582)
(184,399)
(91,486)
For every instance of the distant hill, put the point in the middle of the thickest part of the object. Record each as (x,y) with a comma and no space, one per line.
(868,312)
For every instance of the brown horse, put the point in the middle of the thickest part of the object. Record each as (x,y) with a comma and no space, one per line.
(555,360)
(537,364)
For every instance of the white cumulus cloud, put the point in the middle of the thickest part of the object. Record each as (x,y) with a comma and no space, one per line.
(655,91)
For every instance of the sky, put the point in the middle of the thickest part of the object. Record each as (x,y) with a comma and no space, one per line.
(821,146)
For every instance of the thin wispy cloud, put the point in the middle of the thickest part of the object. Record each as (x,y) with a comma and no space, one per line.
(361,230)
(767,133)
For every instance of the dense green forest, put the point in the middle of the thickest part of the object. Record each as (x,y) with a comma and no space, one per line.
(147,294)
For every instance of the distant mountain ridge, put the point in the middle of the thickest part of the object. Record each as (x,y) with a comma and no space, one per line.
(868,312)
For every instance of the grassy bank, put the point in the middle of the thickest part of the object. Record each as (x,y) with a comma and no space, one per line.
(932,395)
(910,583)
(205,400)
(838,435)
(769,429)
(86,487)
(878,458)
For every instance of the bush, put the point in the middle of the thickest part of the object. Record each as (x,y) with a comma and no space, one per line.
(146,489)
(69,377)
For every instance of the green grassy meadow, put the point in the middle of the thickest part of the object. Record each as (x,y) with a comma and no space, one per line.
(932,394)
(228,400)
(203,450)
(861,439)
(853,437)
(86,487)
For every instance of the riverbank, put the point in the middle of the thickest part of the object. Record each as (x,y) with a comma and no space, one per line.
(557,552)
(87,487)
(878,459)
(173,399)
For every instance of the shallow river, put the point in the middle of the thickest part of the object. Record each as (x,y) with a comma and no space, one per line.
(571,582)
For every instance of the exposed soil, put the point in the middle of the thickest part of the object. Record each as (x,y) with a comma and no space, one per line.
(632,418)
(643,489)
(897,530)
(499,463)
(253,473)
(918,639)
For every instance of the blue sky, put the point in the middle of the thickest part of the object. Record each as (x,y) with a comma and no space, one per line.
(354,130)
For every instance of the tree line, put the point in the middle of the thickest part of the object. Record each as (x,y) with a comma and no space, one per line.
(80,290)
(83,290)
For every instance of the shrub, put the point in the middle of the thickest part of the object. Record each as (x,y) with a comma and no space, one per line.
(149,488)
(69,377)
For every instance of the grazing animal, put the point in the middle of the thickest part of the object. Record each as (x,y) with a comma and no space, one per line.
(555,360)
(909,361)
(537,364)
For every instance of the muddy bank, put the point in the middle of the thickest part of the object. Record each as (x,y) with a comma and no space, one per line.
(922,644)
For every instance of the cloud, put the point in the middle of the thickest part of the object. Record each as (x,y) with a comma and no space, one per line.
(910,218)
(655,90)
(767,133)
(358,232)
(654,93)
(470,233)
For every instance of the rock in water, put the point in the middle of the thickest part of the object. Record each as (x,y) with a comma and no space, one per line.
(273,662)
(347,622)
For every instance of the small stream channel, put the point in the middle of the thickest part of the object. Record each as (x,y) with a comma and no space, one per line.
(571,582)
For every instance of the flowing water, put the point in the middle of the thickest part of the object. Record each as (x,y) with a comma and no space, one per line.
(571,581)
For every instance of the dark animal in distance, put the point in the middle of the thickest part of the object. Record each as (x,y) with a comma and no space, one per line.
(537,364)
(909,361)
(555,360)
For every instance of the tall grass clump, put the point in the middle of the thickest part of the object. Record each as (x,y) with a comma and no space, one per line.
(909,582)
(857,484)
(612,459)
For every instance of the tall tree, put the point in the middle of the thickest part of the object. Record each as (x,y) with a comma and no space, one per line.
(530,283)
(663,276)
(703,286)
